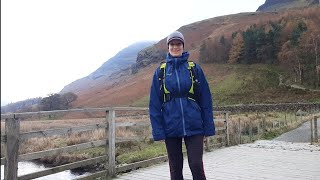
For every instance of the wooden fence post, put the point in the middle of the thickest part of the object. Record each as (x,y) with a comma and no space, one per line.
(311,128)
(285,118)
(228,135)
(273,125)
(207,145)
(226,116)
(263,123)
(315,129)
(107,142)
(12,130)
(250,130)
(239,131)
(112,144)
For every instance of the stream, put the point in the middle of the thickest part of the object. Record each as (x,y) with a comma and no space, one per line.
(28,167)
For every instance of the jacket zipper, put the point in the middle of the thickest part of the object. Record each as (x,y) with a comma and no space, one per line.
(181,107)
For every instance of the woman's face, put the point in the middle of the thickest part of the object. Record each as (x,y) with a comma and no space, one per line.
(175,48)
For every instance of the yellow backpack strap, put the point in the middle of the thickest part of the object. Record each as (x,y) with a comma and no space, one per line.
(190,66)
(193,76)
(163,79)
(163,65)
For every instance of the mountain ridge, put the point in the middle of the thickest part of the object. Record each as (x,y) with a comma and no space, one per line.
(121,61)
(276,5)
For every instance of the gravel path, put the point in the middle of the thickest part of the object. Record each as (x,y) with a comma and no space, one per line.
(262,160)
(301,134)
(290,157)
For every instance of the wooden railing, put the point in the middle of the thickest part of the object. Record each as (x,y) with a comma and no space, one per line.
(13,137)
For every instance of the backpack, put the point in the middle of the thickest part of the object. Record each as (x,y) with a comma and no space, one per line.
(194,89)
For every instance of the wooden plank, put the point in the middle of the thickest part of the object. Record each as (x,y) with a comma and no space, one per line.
(141,164)
(221,112)
(63,168)
(219,136)
(28,114)
(41,154)
(51,152)
(127,139)
(39,113)
(132,166)
(218,120)
(60,131)
(129,108)
(126,124)
(219,128)
(12,129)
(94,175)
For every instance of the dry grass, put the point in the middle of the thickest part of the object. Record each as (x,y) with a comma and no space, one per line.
(28,126)
(37,125)
(40,144)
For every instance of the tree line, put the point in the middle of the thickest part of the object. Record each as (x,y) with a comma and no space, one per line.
(291,42)
(57,101)
(53,101)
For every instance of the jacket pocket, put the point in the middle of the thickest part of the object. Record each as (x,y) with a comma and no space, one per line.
(172,119)
(195,104)
(193,116)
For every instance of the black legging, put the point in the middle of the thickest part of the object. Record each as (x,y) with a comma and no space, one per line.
(194,145)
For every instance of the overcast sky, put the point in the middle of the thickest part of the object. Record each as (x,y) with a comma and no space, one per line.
(47,44)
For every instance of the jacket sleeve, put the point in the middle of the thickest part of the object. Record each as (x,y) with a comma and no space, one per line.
(205,103)
(155,105)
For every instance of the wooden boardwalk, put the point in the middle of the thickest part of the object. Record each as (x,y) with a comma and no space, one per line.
(260,160)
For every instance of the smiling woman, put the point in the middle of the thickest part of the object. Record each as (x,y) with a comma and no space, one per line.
(180,107)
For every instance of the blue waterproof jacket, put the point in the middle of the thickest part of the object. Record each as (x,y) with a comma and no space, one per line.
(180,116)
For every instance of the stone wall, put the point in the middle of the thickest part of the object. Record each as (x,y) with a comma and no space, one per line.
(309,107)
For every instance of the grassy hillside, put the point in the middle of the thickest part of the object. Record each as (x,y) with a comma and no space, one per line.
(245,84)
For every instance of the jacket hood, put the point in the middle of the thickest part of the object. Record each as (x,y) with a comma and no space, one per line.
(180,60)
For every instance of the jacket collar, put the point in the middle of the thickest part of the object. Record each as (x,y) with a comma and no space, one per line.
(180,60)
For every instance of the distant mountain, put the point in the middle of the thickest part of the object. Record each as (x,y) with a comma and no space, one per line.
(122,60)
(275,5)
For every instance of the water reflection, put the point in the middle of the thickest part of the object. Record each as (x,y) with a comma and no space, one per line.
(30,167)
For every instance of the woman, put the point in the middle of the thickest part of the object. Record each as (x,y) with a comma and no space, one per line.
(181,107)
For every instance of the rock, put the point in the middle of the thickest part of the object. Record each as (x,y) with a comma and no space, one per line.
(301,113)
